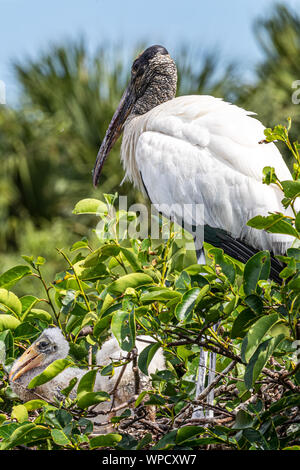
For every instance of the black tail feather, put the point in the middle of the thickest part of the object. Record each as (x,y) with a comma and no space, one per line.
(238,249)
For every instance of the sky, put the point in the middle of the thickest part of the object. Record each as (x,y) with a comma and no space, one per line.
(30,26)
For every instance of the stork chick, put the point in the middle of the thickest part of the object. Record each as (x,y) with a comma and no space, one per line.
(52,345)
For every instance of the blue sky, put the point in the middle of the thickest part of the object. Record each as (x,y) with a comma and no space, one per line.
(28,26)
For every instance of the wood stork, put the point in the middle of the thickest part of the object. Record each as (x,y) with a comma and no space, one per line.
(193,151)
(52,345)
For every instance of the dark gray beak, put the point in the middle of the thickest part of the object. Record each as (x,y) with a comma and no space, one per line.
(114,130)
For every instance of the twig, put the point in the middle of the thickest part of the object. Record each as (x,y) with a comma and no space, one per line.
(153,426)
(113,393)
(216,380)
(213,407)
(281,379)
(216,421)
(135,369)
(210,347)
(117,408)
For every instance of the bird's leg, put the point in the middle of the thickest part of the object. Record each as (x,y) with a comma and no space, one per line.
(211,377)
(198,412)
(200,256)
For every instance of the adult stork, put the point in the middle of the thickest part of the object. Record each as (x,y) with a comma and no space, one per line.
(196,151)
(52,345)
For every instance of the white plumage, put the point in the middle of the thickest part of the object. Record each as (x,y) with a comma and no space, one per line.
(38,356)
(202,150)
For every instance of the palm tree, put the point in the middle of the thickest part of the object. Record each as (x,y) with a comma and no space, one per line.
(271,94)
(48,145)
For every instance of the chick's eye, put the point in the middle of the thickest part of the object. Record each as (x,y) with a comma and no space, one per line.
(43,344)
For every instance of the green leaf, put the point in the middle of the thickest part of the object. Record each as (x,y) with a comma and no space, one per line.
(255,303)
(67,390)
(117,419)
(60,438)
(87,382)
(187,432)
(288,401)
(167,441)
(297,222)
(270,175)
(35,404)
(39,314)
(243,420)
(28,302)
(25,434)
(131,258)
(94,273)
(292,448)
(146,357)
(242,322)
(291,189)
(183,310)
(102,325)
(19,412)
(257,268)
(50,372)
(90,206)
(8,322)
(145,441)
(160,294)
(105,440)
(252,435)
(259,359)
(225,264)
(123,328)
(11,302)
(79,245)
(86,399)
(294,283)
(101,254)
(257,333)
(85,395)
(133,280)
(13,275)
(274,223)
(140,398)
(26,330)
(279,132)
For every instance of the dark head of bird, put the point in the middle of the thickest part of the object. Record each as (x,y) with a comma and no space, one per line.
(153,81)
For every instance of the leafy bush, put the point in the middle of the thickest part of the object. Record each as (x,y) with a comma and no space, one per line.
(131,287)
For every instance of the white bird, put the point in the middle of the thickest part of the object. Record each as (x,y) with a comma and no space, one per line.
(198,158)
(52,345)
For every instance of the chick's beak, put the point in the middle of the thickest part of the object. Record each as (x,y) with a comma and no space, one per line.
(30,358)
(114,130)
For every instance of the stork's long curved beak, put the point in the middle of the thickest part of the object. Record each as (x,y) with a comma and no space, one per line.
(30,358)
(114,130)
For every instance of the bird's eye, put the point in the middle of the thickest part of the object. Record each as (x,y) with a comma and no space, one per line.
(134,68)
(43,344)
